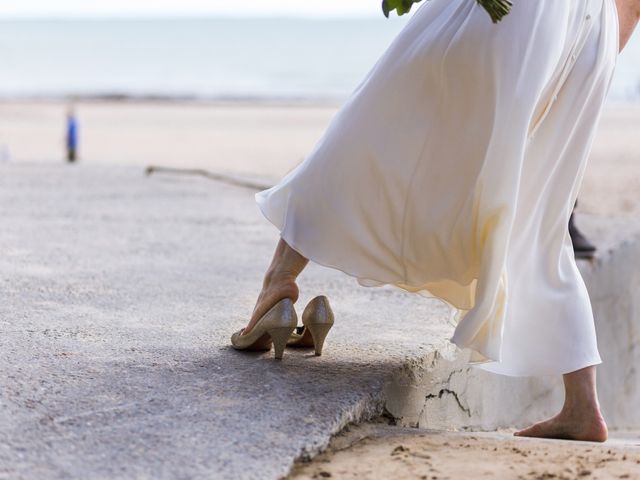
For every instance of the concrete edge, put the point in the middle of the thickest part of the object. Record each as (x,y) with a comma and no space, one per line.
(442,391)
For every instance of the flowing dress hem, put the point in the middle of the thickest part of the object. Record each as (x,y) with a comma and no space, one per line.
(367,282)
(477,358)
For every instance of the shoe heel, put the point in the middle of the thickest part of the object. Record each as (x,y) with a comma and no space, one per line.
(319,332)
(279,337)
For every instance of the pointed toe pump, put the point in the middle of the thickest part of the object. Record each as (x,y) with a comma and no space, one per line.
(317,320)
(274,327)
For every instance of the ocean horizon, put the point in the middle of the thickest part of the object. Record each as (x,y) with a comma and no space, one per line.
(219,59)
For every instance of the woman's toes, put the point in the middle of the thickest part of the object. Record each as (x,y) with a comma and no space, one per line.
(536,430)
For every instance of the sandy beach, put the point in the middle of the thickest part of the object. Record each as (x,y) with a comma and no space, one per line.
(237,138)
(266,140)
(379,451)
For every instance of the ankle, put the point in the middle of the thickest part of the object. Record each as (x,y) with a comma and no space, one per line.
(278,278)
(581,408)
(281,286)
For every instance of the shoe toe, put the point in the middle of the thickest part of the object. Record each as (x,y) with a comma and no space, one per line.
(235,337)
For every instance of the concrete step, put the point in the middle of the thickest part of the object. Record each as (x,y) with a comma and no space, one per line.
(120,293)
(443,392)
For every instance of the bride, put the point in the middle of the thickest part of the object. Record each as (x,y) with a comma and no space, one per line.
(451,171)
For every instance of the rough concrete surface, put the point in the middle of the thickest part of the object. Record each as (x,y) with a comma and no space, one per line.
(119,294)
(446,393)
(613,280)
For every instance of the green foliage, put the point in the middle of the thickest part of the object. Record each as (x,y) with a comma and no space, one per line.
(496,8)
(401,6)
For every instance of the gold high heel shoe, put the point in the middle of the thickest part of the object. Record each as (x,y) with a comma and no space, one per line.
(274,327)
(317,320)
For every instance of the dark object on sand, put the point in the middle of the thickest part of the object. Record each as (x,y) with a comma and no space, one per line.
(220,177)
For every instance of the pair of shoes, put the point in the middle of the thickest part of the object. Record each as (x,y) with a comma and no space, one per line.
(279,325)
(317,320)
(274,327)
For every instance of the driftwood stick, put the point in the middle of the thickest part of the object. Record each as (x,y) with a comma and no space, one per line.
(220,177)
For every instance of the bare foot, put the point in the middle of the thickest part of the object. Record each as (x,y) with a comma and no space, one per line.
(275,288)
(577,424)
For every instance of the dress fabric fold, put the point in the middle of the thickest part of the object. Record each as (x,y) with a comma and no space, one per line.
(452,169)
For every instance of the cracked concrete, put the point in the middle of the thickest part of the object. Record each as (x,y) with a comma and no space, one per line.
(119,294)
(454,394)
(451,395)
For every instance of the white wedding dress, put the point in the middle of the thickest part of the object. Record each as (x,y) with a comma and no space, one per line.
(452,170)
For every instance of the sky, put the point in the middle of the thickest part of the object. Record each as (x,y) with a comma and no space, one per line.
(81,8)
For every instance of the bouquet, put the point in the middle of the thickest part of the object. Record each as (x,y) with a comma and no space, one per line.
(496,8)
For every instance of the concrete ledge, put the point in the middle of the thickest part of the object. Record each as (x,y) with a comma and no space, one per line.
(120,292)
(613,280)
(119,295)
(444,393)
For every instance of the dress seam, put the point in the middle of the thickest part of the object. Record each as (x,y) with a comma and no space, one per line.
(565,71)
(424,145)
(404,213)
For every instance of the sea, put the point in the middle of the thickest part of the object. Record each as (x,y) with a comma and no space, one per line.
(281,59)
